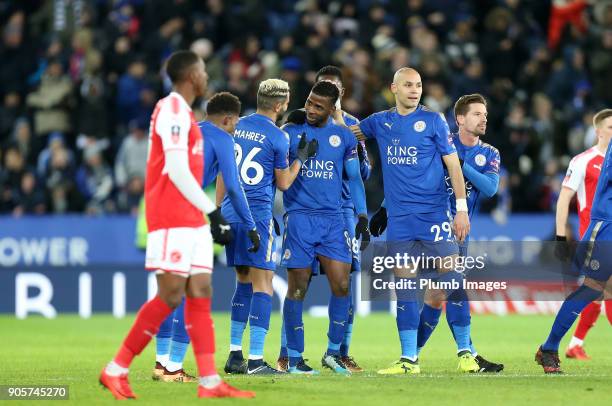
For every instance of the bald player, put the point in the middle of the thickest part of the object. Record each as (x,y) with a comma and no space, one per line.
(415,144)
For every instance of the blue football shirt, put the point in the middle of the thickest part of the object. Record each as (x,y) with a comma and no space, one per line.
(602,202)
(260,147)
(364,168)
(219,157)
(484,158)
(411,149)
(318,187)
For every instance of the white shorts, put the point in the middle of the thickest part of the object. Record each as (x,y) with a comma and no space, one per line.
(184,251)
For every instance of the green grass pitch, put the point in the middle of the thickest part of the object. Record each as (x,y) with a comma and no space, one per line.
(71,351)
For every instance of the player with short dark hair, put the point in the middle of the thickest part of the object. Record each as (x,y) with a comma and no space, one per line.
(223,110)
(261,150)
(334,74)
(592,258)
(179,242)
(315,227)
(415,145)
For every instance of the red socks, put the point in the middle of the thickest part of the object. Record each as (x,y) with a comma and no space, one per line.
(199,326)
(608,306)
(588,317)
(147,322)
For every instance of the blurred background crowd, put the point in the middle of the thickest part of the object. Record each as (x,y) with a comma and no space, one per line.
(80,78)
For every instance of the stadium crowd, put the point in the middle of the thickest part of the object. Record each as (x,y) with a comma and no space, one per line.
(79,80)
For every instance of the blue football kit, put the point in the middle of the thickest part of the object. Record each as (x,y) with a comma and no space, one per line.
(172,339)
(593,258)
(314,223)
(348,207)
(260,148)
(594,255)
(218,158)
(411,149)
(481,165)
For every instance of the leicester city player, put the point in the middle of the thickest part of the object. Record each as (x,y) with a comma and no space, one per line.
(223,110)
(334,74)
(172,340)
(415,145)
(594,260)
(480,165)
(261,154)
(315,227)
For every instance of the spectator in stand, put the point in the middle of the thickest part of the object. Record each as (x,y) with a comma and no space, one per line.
(10,112)
(95,182)
(130,167)
(29,198)
(10,179)
(51,103)
(60,182)
(22,137)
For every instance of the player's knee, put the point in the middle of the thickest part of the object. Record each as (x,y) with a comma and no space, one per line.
(434,302)
(200,291)
(298,293)
(242,273)
(340,288)
(172,298)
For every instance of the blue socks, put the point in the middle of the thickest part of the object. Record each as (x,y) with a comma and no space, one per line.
(457,310)
(162,340)
(261,307)
(338,315)
(407,319)
(570,310)
(430,316)
(348,332)
(283,348)
(294,328)
(241,307)
(407,325)
(180,340)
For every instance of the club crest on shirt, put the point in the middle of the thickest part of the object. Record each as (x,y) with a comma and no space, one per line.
(420,126)
(480,160)
(287,254)
(334,141)
(175,256)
